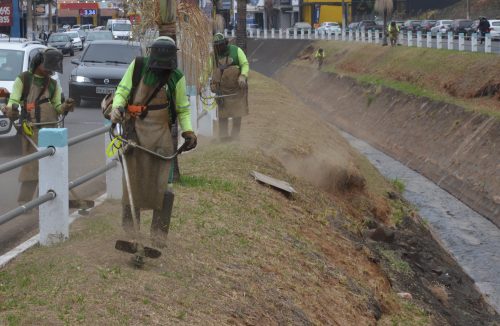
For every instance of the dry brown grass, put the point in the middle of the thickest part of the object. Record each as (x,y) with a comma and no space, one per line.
(239,253)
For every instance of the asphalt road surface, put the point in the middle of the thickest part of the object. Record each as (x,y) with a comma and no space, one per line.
(83,158)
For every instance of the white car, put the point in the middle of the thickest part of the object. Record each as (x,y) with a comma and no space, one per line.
(14,59)
(76,40)
(442,26)
(495,29)
(329,28)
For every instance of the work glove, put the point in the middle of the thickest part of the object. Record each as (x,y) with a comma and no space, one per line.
(68,106)
(116,115)
(242,81)
(13,112)
(190,139)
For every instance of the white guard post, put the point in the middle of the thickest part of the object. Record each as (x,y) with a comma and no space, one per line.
(295,33)
(350,36)
(439,40)
(272,33)
(473,42)
(450,40)
(410,38)
(487,43)
(419,39)
(114,175)
(429,40)
(265,33)
(257,33)
(461,42)
(377,36)
(343,35)
(302,33)
(370,36)
(225,32)
(53,176)
(233,33)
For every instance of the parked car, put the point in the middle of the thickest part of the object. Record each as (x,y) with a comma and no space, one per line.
(329,28)
(495,28)
(426,26)
(411,26)
(98,36)
(76,40)
(461,26)
(442,26)
(62,42)
(66,27)
(353,26)
(301,27)
(15,57)
(99,28)
(75,27)
(100,69)
(87,27)
(83,35)
(368,25)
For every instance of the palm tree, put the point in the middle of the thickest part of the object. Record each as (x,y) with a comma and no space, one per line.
(241,30)
(384,7)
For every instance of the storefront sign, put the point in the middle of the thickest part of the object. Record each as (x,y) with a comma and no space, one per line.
(6,13)
(87,12)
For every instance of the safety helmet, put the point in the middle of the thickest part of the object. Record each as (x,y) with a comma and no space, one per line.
(163,54)
(51,58)
(220,43)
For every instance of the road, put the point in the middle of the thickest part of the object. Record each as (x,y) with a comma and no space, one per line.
(83,158)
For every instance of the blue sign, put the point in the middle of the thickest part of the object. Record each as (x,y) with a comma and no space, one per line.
(87,12)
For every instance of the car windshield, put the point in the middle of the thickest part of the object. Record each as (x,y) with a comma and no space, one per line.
(464,23)
(58,38)
(11,64)
(122,27)
(74,35)
(111,53)
(99,36)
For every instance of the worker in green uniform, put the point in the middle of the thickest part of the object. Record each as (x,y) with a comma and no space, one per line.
(150,97)
(229,83)
(393,31)
(39,97)
(320,57)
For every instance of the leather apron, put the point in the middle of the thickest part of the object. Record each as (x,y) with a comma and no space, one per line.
(226,80)
(148,174)
(29,172)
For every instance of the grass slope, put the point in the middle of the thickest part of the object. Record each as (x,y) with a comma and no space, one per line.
(239,252)
(463,78)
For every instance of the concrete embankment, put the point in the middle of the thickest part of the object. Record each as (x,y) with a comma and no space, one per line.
(454,147)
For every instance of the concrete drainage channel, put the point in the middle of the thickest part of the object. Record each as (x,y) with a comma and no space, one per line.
(469,237)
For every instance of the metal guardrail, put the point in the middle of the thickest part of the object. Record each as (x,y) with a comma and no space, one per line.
(51,194)
(27,159)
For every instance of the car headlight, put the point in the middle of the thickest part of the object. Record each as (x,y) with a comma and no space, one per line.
(80,79)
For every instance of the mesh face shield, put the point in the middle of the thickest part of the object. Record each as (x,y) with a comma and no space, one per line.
(53,60)
(163,55)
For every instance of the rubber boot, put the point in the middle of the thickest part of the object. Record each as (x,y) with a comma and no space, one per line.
(127,224)
(223,129)
(235,131)
(161,221)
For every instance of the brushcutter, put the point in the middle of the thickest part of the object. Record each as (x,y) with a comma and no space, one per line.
(135,247)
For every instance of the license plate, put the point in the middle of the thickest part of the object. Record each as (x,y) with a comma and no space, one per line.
(104,90)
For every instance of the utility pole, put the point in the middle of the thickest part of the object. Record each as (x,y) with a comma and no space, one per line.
(344,14)
(29,20)
(468,9)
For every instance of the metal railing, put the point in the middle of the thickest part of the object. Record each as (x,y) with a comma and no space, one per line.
(445,41)
(53,181)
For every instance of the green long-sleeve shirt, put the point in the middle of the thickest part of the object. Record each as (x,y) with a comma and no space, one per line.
(239,58)
(182,105)
(17,93)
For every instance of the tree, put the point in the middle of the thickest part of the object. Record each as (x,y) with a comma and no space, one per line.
(384,7)
(241,30)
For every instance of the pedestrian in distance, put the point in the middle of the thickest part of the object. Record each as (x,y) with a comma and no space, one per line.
(320,57)
(484,28)
(229,83)
(150,97)
(39,97)
(393,31)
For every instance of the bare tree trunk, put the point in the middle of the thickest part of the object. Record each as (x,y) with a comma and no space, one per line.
(241,31)
(168,27)
(50,17)
(30,22)
(385,29)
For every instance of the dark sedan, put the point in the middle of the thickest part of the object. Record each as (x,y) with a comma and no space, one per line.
(100,69)
(462,26)
(62,42)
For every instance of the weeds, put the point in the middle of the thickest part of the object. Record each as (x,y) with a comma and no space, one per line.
(399,185)
(206,183)
(396,263)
